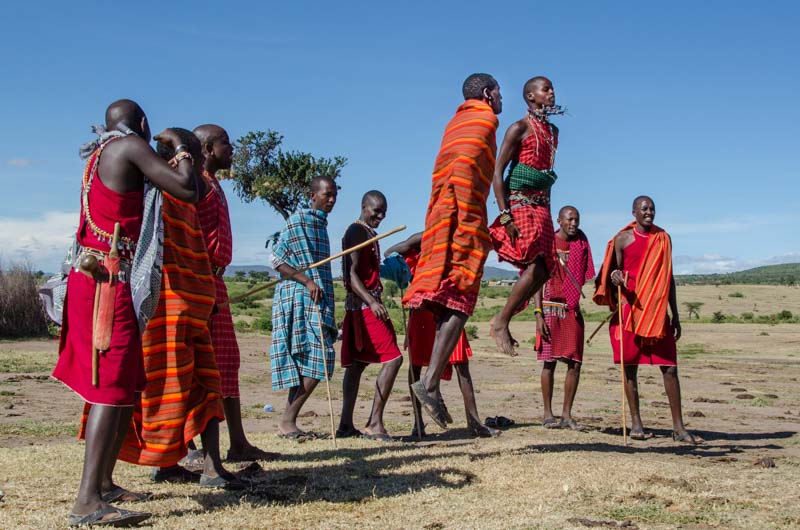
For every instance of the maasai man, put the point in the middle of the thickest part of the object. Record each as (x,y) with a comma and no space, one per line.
(182,397)
(112,192)
(456,239)
(368,335)
(559,322)
(212,209)
(639,259)
(523,233)
(420,337)
(300,357)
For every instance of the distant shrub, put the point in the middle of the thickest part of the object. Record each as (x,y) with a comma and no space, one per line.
(785,315)
(390,304)
(718,317)
(747,315)
(736,294)
(390,288)
(21,310)
(262,324)
(471,331)
(241,325)
(247,303)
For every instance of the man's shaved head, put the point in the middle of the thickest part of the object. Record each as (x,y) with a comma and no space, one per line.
(641,198)
(565,209)
(316,182)
(209,133)
(530,83)
(475,84)
(126,112)
(373,196)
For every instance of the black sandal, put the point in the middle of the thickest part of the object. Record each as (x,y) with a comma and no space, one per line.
(432,406)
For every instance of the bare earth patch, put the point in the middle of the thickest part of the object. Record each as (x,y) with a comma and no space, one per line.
(745,476)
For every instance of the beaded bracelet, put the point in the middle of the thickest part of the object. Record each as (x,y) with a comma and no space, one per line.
(505,219)
(507,210)
(538,310)
(182,155)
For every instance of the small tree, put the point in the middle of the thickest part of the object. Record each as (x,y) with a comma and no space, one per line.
(240,276)
(261,170)
(693,308)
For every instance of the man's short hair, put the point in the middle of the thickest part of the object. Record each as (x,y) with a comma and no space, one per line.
(531,81)
(316,182)
(474,85)
(373,195)
(641,198)
(564,209)
(187,138)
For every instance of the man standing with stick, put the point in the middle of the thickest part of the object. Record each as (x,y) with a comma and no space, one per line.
(456,241)
(638,260)
(303,307)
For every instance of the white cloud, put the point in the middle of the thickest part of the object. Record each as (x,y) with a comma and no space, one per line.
(714,263)
(20,162)
(41,241)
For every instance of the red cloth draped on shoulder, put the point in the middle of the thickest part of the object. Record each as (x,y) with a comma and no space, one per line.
(651,284)
(121,372)
(216,224)
(183,384)
(456,239)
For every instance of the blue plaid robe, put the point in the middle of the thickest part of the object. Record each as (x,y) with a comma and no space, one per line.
(296,347)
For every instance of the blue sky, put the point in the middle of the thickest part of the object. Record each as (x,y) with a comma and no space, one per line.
(692,103)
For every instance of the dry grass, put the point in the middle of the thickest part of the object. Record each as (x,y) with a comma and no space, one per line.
(21,312)
(527,478)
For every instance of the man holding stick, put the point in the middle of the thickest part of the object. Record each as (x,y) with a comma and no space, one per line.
(456,241)
(368,335)
(639,260)
(303,307)
(559,322)
(113,192)
(212,210)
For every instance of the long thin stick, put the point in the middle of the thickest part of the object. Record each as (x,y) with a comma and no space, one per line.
(350,250)
(327,382)
(417,419)
(600,325)
(622,359)
(95,353)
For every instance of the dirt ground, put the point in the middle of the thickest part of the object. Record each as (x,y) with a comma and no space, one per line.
(739,386)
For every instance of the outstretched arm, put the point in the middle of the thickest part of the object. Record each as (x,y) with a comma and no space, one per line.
(414,242)
(180,182)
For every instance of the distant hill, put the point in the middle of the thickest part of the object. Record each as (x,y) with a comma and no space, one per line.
(230,270)
(783,274)
(496,273)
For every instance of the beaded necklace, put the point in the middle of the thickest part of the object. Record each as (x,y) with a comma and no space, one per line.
(372,233)
(542,121)
(125,243)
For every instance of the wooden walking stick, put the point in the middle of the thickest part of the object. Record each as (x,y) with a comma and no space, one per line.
(622,358)
(95,353)
(327,382)
(343,253)
(600,325)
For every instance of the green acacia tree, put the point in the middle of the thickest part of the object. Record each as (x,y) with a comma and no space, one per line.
(282,179)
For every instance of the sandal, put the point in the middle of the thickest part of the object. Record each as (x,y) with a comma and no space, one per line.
(120,494)
(432,406)
(99,517)
(640,435)
(348,432)
(687,437)
(482,431)
(296,436)
(445,413)
(572,425)
(193,461)
(377,436)
(501,422)
(174,474)
(551,423)
(251,454)
(227,482)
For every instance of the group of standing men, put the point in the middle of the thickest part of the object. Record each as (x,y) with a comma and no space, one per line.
(154,239)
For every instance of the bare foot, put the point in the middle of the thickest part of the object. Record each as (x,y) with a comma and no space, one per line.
(502,337)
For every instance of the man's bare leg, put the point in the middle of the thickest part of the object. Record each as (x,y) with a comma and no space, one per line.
(212,462)
(241,448)
(102,427)
(126,413)
(467,388)
(547,381)
(413,377)
(570,389)
(298,396)
(672,386)
(350,385)
(632,394)
(529,282)
(383,388)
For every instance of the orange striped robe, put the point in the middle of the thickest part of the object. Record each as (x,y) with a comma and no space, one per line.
(651,292)
(456,240)
(183,384)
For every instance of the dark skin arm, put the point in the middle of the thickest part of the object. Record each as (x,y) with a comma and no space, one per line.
(508,148)
(673,306)
(541,326)
(357,234)
(414,242)
(314,290)
(127,161)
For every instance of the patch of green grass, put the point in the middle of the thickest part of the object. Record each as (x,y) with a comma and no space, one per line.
(27,362)
(39,429)
(655,512)
(7,393)
(761,401)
